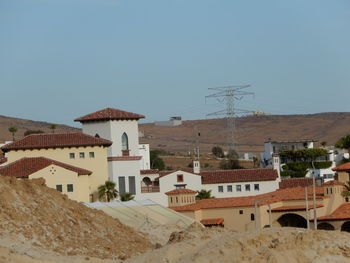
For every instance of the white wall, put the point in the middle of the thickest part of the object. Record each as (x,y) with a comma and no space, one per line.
(264,187)
(145,163)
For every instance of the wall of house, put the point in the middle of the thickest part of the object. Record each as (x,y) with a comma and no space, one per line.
(126,169)
(191,181)
(56,175)
(101,128)
(264,187)
(98,165)
(145,163)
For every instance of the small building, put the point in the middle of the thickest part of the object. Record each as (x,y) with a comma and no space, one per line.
(172,122)
(68,179)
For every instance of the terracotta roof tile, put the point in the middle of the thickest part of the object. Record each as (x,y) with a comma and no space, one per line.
(295,182)
(293,208)
(212,221)
(150,171)
(109,114)
(238,175)
(288,194)
(124,158)
(27,166)
(342,168)
(341,213)
(3,160)
(55,140)
(180,191)
(333,182)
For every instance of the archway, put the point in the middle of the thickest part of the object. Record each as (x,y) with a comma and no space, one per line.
(146,181)
(325,226)
(346,226)
(292,220)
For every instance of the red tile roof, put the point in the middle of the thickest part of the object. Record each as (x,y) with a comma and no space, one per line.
(212,221)
(3,160)
(238,175)
(180,191)
(341,213)
(124,158)
(150,171)
(293,208)
(109,114)
(295,182)
(288,194)
(27,166)
(333,182)
(342,168)
(55,140)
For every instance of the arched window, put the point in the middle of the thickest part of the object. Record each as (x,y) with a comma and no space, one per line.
(125,142)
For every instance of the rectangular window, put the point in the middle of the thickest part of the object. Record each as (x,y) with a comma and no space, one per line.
(247,187)
(180,186)
(82,155)
(132,186)
(69,188)
(256,187)
(180,178)
(220,189)
(238,188)
(59,187)
(241,212)
(121,183)
(229,188)
(252,217)
(72,155)
(91,154)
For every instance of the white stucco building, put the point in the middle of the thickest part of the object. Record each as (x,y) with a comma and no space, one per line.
(129,164)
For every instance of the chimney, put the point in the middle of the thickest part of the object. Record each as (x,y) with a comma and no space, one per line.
(196,166)
(276,165)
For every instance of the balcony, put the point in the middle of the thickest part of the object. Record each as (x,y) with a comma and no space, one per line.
(150,189)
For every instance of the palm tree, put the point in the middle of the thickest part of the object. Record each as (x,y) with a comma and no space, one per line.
(204,194)
(126,197)
(53,127)
(346,192)
(107,191)
(13,130)
(344,142)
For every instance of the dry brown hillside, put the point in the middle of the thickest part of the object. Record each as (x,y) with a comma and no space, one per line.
(23,125)
(252,131)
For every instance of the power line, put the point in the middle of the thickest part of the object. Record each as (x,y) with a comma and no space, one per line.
(229,95)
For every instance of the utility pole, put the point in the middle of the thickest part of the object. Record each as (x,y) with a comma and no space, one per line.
(229,95)
(307,208)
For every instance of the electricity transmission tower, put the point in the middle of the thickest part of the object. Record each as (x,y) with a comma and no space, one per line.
(229,95)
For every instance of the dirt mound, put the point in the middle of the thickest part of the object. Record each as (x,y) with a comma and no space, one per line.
(31,212)
(271,246)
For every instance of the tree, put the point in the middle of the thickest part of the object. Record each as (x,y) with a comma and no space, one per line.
(232,154)
(13,130)
(230,164)
(217,151)
(346,192)
(204,194)
(28,132)
(156,161)
(126,197)
(107,191)
(53,127)
(324,143)
(255,161)
(344,143)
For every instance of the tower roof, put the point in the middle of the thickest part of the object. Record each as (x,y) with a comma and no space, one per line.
(109,114)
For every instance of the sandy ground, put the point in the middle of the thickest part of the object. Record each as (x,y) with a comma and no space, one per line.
(40,225)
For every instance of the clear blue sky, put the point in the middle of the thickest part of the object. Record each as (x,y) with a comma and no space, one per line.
(60,59)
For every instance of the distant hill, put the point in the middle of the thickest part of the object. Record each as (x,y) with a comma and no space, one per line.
(23,125)
(252,131)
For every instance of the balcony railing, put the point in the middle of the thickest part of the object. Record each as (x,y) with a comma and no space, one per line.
(150,189)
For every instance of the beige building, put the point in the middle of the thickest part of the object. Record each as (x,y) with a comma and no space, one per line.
(285,207)
(71,149)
